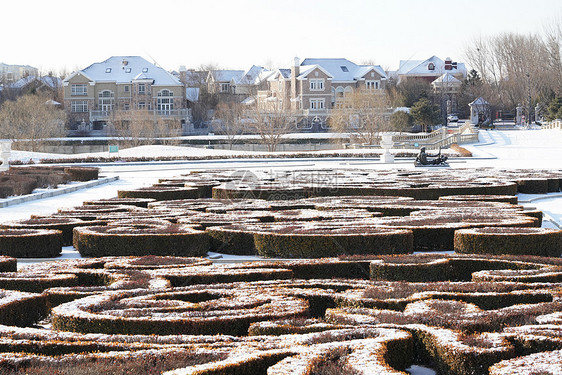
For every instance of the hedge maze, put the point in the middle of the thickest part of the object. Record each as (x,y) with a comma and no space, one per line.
(470,314)
(344,293)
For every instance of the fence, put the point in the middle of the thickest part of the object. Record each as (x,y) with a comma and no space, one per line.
(556,124)
(436,139)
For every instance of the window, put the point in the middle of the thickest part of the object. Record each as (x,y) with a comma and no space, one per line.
(79,89)
(165,101)
(316,85)
(142,88)
(105,100)
(225,87)
(372,85)
(79,106)
(316,103)
(128,70)
(145,70)
(344,69)
(127,89)
(431,66)
(142,105)
(108,70)
(126,106)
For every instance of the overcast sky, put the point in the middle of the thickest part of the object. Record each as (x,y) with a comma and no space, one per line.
(72,34)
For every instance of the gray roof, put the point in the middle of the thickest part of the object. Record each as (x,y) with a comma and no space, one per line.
(226,75)
(344,70)
(124,69)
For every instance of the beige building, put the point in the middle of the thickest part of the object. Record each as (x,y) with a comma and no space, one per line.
(117,86)
(314,87)
(12,73)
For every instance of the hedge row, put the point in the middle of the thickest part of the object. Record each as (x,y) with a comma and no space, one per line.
(508,240)
(227,312)
(173,240)
(31,243)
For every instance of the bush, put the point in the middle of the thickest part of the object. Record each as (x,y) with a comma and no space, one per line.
(30,243)
(292,241)
(509,240)
(82,173)
(161,193)
(127,241)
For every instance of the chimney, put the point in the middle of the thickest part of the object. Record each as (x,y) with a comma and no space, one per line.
(295,72)
(448,64)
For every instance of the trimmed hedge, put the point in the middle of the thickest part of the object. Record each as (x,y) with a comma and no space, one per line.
(538,363)
(65,225)
(129,241)
(291,241)
(161,193)
(227,312)
(30,243)
(509,240)
(138,202)
(82,173)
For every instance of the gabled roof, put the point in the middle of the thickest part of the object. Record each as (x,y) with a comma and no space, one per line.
(52,82)
(254,76)
(307,69)
(446,79)
(283,73)
(344,70)
(192,94)
(421,67)
(226,75)
(123,69)
(22,82)
(479,101)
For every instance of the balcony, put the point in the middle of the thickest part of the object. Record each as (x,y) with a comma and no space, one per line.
(178,114)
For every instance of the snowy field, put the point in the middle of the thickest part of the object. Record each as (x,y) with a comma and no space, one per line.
(540,149)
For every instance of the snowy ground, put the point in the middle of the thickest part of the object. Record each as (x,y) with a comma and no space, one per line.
(539,149)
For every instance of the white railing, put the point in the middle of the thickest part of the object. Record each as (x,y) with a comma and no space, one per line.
(184,113)
(556,124)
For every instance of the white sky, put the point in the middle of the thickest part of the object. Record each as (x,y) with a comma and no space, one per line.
(72,34)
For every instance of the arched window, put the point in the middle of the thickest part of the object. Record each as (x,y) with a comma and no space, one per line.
(431,66)
(105,100)
(348,90)
(165,102)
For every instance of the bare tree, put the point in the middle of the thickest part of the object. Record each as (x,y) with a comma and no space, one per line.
(133,127)
(270,124)
(31,118)
(517,69)
(364,114)
(229,121)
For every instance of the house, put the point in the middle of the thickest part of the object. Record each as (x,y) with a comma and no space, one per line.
(313,87)
(221,81)
(430,69)
(121,84)
(12,73)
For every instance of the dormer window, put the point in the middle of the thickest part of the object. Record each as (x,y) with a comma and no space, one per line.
(108,70)
(145,70)
(344,69)
(128,70)
(431,66)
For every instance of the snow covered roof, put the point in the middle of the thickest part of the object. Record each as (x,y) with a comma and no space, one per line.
(124,69)
(226,75)
(423,67)
(283,73)
(192,94)
(305,70)
(447,78)
(52,82)
(344,70)
(478,101)
(22,82)
(254,76)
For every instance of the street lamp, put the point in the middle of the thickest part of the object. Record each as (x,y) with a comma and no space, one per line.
(529,88)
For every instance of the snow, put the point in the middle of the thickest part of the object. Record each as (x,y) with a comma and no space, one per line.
(533,149)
